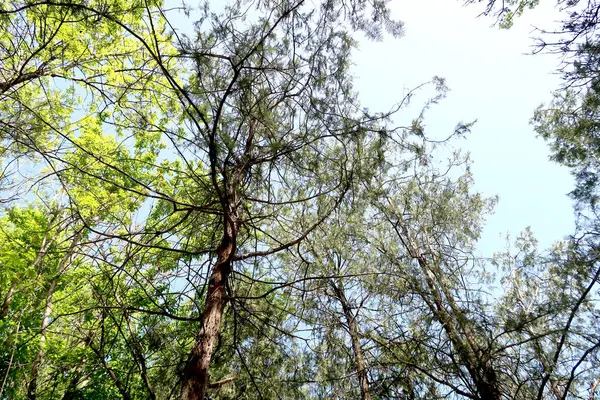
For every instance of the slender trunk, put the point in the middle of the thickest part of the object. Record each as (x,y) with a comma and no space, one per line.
(139,354)
(7,300)
(546,366)
(359,361)
(116,381)
(99,352)
(462,338)
(592,390)
(10,361)
(35,367)
(113,376)
(71,392)
(12,290)
(483,375)
(196,379)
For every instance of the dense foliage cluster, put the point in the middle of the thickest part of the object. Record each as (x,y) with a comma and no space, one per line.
(194,204)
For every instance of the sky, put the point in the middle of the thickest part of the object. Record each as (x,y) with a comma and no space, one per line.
(494,79)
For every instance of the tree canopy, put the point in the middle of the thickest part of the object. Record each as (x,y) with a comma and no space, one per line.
(209,212)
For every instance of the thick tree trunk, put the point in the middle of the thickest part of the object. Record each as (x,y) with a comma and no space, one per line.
(195,377)
(359,362)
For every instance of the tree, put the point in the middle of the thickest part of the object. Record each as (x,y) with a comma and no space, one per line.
(215,215)
(257,108)
(39,249)
(436,221)
(551,323)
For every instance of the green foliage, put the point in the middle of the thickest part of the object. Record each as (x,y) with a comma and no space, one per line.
(507,11)
(167,170)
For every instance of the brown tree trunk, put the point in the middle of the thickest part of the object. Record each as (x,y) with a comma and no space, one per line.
(483,375)
(71,392)
(10,361)
(196,379)
(359,361)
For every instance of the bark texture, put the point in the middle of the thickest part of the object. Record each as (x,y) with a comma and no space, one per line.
(196,377)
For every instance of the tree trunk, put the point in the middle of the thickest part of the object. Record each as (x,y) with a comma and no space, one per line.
(359,361)
(10,361)
(113,376)
(99,352)
(453,321)
(35,367)
(7,300)
(40,255)
(139,354)
(483,375)
(71,393)
(195,376)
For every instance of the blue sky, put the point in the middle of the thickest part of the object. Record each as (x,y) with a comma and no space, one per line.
(492,78)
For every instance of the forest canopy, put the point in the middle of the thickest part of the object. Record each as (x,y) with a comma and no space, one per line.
(195,204)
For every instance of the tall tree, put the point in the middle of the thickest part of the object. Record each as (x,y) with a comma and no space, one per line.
(259,125)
